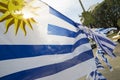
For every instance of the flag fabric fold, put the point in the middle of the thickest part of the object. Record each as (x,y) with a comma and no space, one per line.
(101,54)
(98,64)
(95,75)
(104,46)
(104,43)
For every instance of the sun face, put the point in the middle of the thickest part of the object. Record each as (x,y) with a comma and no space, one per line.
(12,14)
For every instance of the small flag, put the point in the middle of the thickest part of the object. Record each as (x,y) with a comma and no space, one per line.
(101,53)
(95,75)
(98,64)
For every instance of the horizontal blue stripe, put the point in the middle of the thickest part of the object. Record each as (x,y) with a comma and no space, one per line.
(49,69)
(22,51)
(55,30)
(61,16)
(80,42)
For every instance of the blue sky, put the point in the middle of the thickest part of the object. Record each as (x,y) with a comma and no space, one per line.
(71,8)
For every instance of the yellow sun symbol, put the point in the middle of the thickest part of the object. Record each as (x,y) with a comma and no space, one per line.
(12,14)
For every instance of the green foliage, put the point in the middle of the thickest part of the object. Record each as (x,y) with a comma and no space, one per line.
(112,2)
(105,14)
(87,18)
(118,22)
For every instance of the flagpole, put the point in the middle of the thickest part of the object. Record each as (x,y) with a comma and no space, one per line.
(83,10)
(82,5)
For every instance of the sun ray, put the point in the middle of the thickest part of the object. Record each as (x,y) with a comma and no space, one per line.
(32,20)
(28,23)
(2,8)
(17,23)
(5,16)
(9,22)
(2,4)
(22,26)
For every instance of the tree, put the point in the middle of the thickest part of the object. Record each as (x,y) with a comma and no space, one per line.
(87,18)
(106,14)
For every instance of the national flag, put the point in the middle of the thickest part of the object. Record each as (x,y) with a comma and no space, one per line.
(46,44)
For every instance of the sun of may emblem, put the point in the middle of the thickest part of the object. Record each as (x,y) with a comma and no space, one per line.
(12,15)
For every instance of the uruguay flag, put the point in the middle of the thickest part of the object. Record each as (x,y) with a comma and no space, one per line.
(39,43)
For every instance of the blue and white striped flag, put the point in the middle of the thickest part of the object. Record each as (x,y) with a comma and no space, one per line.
(101,53)
(106,46)
(103,42)
(51,49)
(98,64)
(95,75)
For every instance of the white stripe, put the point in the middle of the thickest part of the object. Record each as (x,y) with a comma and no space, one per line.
(80,36)
(37,37)
(73,73)
(15,65)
